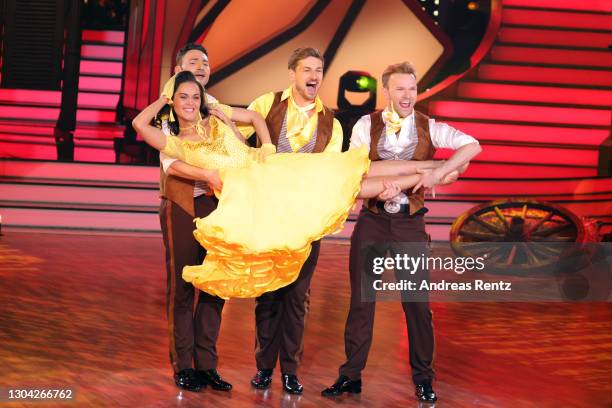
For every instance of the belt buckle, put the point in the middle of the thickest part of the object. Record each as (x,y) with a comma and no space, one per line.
(394,205)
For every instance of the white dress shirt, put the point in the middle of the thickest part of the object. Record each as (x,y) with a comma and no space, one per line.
(442,135)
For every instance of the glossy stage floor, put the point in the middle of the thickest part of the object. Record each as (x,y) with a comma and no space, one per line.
(87,313)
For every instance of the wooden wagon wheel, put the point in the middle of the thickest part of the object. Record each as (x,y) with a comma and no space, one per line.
(517,233)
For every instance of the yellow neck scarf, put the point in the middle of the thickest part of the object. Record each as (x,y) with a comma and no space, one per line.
(198,127)
(303,112)
(297,122)
(393,121)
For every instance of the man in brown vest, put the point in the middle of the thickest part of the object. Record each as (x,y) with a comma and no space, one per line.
(396,133)
(298,122)
(185,195)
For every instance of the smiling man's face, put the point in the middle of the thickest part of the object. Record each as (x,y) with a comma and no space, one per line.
(307,78)
(401,91)
(196,62)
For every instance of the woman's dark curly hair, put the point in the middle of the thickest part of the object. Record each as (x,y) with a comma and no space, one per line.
(164,113)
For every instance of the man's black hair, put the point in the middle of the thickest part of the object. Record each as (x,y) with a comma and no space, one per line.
(186,48)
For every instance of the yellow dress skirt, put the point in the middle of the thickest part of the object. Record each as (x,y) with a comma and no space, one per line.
(268,214)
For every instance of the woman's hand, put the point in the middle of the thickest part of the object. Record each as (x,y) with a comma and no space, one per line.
(463,168)
(429,180)
(450,177)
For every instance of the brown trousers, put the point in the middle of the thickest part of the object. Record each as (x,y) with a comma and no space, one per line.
(279,319)
(193,337)
(390,231)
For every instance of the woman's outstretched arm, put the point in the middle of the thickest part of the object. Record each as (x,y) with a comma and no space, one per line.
(372,187)
(142,124)
(389,168)
(375,186)
(254,118)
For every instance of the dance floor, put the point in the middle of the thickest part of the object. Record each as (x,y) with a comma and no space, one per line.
(86,312)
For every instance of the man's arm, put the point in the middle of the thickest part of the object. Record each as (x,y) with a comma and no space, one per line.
(174,167)
(460,159)
(184,170)
(444,136)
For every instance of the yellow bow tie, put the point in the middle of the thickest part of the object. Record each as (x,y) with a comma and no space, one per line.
(393,122)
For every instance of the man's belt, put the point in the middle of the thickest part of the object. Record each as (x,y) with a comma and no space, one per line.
(391,207)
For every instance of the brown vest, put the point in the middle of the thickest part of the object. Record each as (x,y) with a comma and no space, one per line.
(276,116)
(178,190)
(424,151)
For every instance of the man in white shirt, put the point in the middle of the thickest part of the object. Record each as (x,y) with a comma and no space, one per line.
(397,133)
(193,337)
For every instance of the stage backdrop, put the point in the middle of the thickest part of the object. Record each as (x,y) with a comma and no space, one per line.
(249,41)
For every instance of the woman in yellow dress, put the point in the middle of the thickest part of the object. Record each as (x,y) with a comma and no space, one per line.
(271,206)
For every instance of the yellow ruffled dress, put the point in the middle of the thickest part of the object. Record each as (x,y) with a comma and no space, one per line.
(268,214)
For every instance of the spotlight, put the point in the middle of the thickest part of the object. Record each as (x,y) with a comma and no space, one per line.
(348,113)
(366,83)
(357,81)
(473,5)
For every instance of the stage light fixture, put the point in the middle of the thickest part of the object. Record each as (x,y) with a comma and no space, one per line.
(348,113)
(357,81)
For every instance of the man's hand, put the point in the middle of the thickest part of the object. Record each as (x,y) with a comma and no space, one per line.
(168,89)
(390,191)
(221,115)
(214,180)
(259,154)
(429,180)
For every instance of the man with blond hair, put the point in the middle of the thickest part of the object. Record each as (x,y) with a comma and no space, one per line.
(298,122)
(397,133)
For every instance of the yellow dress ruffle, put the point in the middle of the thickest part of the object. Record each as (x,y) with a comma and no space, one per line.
(268,215)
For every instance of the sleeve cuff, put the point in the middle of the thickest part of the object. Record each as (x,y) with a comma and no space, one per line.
(166,161)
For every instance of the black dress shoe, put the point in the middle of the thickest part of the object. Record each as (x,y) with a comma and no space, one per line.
(262,379)
(425,392)
(212,378)
(291,384)
(342,384)
(187,380)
